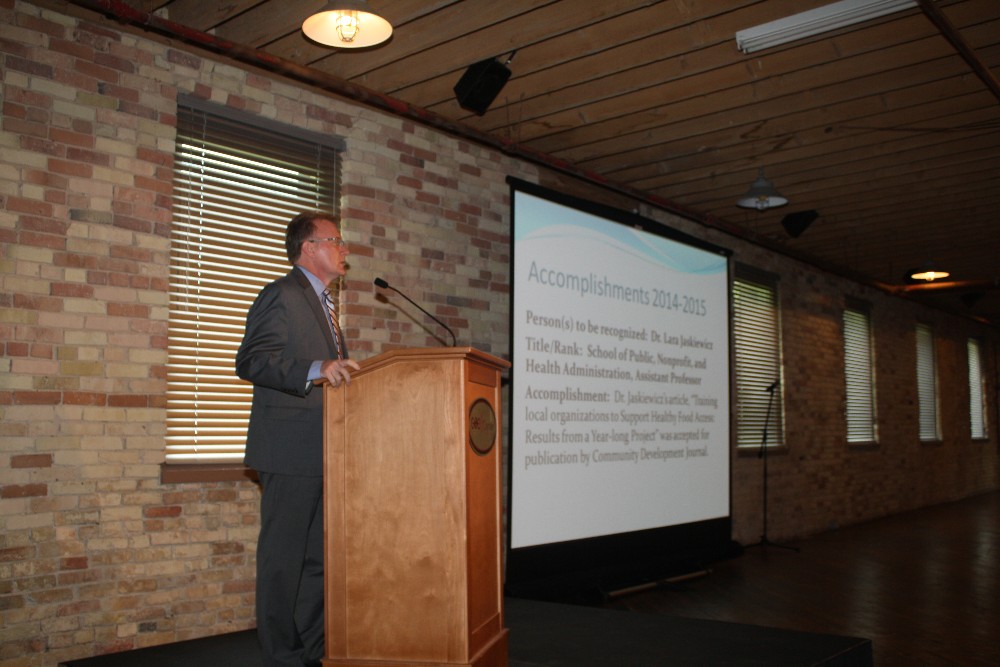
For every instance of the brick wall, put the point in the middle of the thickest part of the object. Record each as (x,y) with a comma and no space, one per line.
(96,554)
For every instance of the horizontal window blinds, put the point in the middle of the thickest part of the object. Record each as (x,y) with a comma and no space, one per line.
(859,372)
(236,186)
(758,363)
(977,391)
(927,401)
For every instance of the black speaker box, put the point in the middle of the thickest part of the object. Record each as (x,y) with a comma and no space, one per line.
(480,85)
(796,223)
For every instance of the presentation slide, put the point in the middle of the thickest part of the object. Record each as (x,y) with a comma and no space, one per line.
(620,380)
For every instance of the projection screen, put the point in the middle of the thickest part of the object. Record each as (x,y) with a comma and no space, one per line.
(620,387)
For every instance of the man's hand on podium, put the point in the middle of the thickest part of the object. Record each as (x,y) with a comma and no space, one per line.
(337,371)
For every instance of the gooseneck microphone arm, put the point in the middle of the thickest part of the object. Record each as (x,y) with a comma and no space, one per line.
(384,285)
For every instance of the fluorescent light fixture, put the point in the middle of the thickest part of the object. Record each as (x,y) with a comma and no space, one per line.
(816,21)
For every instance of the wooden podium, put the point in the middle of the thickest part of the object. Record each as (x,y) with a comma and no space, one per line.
(413,512)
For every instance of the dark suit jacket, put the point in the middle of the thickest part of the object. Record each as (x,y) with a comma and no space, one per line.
(287,329)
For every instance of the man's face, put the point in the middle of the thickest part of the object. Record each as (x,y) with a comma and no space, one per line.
(325,253)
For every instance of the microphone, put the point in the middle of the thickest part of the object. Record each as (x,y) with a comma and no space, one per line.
(774,385)
(384,285)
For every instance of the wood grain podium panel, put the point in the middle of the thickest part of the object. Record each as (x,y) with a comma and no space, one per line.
(412,510)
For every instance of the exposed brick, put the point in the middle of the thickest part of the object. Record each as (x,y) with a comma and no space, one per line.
(183,58)
(220,548)
(80,51)
(31,461)
(74,563)
(87,157)
(74,290)
(12,554)
(16,349)
(160,512)
(80,608)
(23,490)
(134,224)
(37,397)
(128,310)
(84,398)
(29,206)
(70,168)
(129,400)
(32,67)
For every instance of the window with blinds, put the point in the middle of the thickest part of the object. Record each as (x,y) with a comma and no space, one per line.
(757,352)
(977,390)
(927,391)
(238,180)
(859,375)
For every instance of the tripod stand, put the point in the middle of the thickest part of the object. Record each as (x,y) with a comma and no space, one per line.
(764,542)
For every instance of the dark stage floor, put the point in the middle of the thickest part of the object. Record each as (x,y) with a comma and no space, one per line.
(923,586)
(544,634)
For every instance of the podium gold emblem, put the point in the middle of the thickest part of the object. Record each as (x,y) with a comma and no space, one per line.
(482,426)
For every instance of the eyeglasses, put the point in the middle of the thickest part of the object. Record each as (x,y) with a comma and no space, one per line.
(340,243)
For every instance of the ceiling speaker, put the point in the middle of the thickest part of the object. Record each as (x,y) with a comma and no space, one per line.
(480,85)
(796,223)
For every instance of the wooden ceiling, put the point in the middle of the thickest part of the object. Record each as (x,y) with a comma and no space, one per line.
(889,130)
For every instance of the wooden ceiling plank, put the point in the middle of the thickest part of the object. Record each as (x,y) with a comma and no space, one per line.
(856,178)
(452,25)
(528,83)
(688,58)
(905,166)
(533,24)
(662,32)
(818,141)
(644,110)
(914,208)
(808,79)
(916,192)
(263,23)
(812,141)
(699,119)
(698,72)
(205,16)
(830,228)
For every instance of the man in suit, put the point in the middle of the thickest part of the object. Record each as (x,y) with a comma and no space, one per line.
(292,340)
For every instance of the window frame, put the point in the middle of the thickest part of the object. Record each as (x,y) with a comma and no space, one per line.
(978,398)
(757,363)
(224,249)
(860,388)
(928,394)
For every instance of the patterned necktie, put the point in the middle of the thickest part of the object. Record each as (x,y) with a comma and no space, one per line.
(331,307)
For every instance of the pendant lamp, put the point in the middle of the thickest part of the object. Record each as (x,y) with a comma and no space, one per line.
(347,24)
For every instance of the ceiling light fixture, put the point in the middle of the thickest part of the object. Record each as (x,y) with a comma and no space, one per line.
(761,195)
(816,21)
(347,24)
(928,273)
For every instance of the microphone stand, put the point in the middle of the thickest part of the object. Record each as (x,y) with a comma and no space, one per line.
(764,542)
(384,285)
